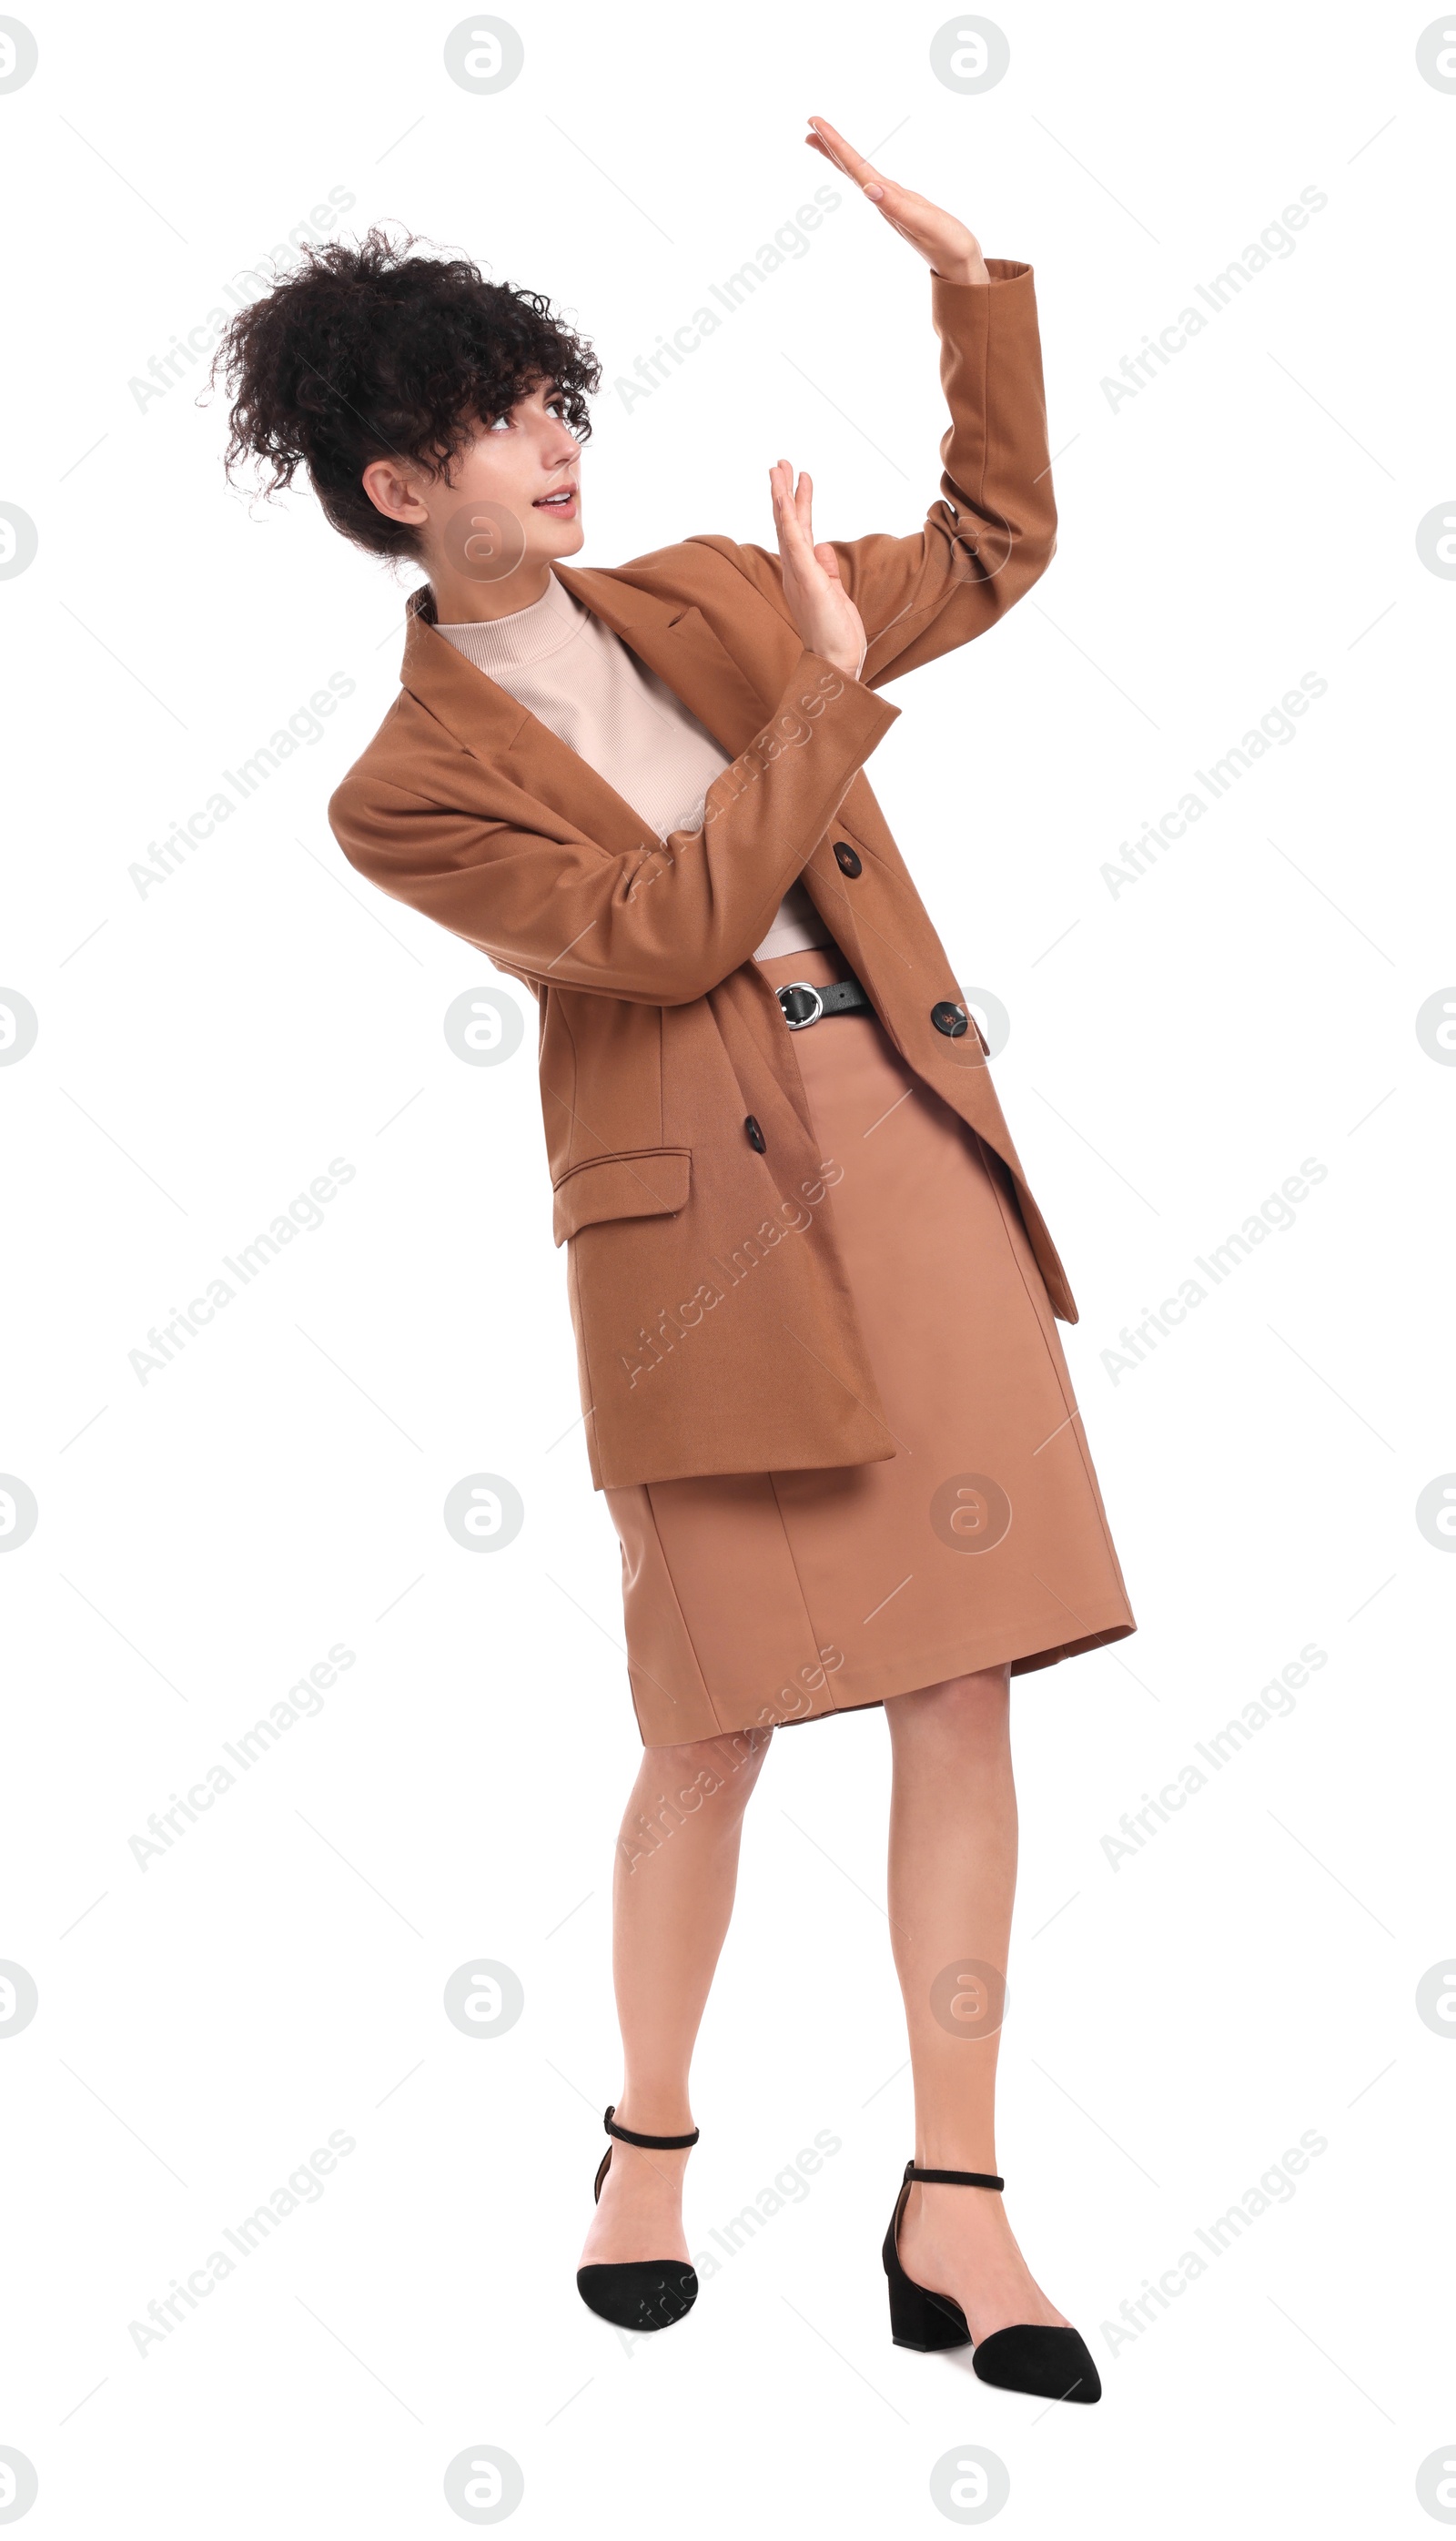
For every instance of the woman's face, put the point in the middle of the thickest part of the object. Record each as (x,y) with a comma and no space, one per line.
(511,504)
(528,462)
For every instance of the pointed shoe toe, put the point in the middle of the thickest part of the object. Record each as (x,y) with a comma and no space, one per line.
(1051,2363)
(639,2293)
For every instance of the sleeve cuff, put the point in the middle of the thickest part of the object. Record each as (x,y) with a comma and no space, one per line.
(1000,269)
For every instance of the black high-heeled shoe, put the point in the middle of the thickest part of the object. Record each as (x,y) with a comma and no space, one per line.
(1051,2362)
(639,2293)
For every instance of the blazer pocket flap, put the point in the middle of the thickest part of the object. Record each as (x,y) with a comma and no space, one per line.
(636,1182)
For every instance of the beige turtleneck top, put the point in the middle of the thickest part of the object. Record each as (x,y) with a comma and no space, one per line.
(590,690)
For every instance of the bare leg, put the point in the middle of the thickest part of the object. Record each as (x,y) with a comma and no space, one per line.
(952,1880)
(677,1868)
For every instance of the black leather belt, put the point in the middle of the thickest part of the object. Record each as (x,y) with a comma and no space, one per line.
(803,1004)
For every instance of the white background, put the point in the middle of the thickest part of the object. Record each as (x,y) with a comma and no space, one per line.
(204,1051)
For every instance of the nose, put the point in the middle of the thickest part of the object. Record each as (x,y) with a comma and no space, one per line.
(559,445)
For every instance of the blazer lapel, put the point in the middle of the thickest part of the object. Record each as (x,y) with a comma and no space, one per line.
(671,636)
(675,640)
(678,643)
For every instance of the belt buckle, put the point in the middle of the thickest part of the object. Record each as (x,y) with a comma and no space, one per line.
(795,989)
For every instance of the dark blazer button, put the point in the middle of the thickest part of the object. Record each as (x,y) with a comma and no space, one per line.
(950,1019)
(756,1137)
(847,860)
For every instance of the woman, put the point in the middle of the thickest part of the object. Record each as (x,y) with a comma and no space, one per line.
(814,1298)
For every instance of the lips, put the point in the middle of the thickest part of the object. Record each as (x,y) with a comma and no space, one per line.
(556,502)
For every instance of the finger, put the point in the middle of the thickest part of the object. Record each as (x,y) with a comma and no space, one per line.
(804,506)
(824,152)
(794,546)
(834,146)
(791,539)
(896,203)
(843,154)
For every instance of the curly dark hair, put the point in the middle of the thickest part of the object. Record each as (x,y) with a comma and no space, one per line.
(372,352)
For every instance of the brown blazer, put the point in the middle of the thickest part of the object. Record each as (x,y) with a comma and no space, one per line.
(716,1329)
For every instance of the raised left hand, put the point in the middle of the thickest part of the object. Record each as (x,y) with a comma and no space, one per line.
(947,246)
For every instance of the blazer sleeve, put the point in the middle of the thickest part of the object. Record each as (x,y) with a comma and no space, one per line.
(991,529)
(660,924)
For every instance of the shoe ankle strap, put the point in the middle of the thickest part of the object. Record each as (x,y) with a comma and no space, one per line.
(955,2178)
(653,2143)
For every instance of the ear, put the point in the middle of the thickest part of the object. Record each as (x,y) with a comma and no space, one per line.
(391,491)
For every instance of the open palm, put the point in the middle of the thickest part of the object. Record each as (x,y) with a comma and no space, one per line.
(947,246)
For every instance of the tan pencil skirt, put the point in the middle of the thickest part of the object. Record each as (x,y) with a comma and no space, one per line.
(756,1600)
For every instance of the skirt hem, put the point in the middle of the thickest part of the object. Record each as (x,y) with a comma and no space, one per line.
(916,1674)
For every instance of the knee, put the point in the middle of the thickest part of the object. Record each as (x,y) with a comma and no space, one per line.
(964,1710)
(707,1769)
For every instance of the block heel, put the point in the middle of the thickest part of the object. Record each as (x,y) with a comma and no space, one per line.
(918,2318)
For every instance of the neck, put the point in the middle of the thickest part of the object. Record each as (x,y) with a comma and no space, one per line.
(462,601)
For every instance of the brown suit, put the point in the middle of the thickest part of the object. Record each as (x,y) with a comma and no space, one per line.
(676,1118)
